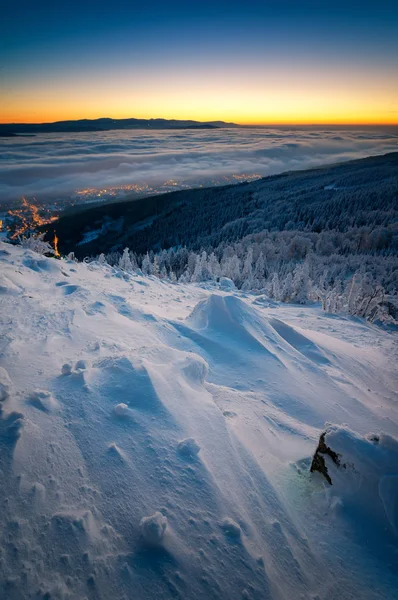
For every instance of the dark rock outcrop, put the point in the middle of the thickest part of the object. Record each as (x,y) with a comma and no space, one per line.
(318,461)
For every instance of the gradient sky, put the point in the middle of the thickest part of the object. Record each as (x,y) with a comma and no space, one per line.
(265,62)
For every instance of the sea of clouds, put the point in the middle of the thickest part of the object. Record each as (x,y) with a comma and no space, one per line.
(52,165)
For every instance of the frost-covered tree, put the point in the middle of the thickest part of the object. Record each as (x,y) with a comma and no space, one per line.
(287,288)
(230,267)
(197,272)
(214,267)
(191,263)
(146,265)
(259,271)
(155,266)
(274,288)
(125,261)
(301,284)
(247,271)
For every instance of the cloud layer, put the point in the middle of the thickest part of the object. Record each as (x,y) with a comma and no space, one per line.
(53,165)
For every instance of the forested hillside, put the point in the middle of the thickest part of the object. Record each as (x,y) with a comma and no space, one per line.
(360,197)
(327,235)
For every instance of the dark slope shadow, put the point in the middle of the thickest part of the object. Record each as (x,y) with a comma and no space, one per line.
(299,342)
(10,430)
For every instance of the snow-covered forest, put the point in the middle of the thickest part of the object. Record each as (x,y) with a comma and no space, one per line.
(356,200)
(329,267)
(327,235)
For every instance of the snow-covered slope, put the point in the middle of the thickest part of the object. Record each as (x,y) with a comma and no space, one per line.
(156,440)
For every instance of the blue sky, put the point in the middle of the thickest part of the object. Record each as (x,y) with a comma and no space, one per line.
(138,47)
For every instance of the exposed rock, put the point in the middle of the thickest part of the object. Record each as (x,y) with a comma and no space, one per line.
(318,461)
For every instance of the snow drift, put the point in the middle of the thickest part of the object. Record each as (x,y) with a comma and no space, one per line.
(156,441)
(364,472)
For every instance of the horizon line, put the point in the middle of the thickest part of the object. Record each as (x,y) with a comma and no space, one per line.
(241,124)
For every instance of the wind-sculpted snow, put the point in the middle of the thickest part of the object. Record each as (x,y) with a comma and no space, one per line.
(366,479)
(156,441)
(299,341)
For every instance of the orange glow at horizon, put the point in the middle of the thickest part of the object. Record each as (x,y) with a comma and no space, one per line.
(272,98)
(270,119)
(309,117)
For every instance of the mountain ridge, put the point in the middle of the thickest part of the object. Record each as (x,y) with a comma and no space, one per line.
(108,124)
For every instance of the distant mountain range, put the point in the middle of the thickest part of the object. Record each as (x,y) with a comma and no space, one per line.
(106,124)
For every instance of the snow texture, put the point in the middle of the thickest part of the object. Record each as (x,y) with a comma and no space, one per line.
(156,440)
(153,528)
(188,447)
(367,478)
(43,400)
(66,369)
(5,385)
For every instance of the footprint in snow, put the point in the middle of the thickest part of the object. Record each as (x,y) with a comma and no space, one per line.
(229,413)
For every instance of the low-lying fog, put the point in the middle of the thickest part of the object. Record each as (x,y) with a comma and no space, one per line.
(51,165)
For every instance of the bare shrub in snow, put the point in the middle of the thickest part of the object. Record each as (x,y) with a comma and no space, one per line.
(36,243)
